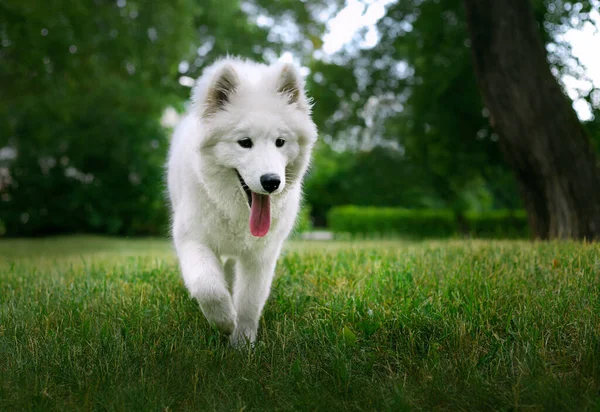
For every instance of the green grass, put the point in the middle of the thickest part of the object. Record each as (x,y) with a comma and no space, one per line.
(92,323)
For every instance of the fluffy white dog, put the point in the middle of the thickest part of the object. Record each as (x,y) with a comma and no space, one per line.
(235,173)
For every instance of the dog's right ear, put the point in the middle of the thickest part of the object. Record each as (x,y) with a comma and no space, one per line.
(221,89)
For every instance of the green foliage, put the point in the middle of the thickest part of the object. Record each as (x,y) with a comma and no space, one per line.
(323,176)
(106,179)
(305,17)
(418,223)
(383,177)
(332,86)
(498,224)
(593,128)
(378,177)
(84,88)
(417,88)
(95,323)
(391,221)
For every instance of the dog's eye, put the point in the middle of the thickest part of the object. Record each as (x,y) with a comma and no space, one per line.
(279,142)
(246,143)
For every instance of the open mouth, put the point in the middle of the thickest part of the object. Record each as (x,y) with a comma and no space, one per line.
(260,210)
(245,188)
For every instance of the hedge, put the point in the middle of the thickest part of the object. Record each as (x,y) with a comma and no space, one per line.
(375,221)
(498,224)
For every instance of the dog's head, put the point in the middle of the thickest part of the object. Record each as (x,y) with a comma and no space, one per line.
(257,124)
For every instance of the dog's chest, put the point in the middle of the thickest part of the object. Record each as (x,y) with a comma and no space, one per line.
(229,234)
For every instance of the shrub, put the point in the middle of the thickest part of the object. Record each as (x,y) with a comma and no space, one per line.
(391,221)
(373,221)
(498,223)
(97,170)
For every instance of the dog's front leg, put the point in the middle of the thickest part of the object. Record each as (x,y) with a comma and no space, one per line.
(254,275)
(203,275)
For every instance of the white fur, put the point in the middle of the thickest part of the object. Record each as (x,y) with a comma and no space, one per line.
(224,267)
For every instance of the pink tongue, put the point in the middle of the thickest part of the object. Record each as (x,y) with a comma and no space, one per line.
(260,215)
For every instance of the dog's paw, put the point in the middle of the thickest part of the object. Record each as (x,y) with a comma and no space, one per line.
(243,338)
(224,324)
(220,312)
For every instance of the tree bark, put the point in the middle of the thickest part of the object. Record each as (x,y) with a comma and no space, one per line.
(540,135)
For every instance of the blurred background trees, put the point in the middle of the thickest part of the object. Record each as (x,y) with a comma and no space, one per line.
(402,121)
(543,141)
(84,86)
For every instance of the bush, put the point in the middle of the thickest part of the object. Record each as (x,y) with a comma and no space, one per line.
(498,224)
(391,221)
(98,169)
(373,221)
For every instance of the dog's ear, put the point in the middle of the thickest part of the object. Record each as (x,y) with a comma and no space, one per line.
(291,86)
(221,89)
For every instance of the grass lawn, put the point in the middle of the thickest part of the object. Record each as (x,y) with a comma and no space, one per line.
(95,323)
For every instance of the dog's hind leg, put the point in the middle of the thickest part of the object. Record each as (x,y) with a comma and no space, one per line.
(205,279)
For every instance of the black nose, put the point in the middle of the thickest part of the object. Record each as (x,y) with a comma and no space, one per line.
(270,182)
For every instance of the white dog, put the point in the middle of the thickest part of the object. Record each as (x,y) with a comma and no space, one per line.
(235,172)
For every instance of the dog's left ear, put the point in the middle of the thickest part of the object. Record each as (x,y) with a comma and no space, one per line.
(291,86)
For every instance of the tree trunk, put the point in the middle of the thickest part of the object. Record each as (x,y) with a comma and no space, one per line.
(543,141)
